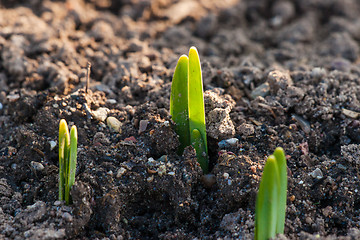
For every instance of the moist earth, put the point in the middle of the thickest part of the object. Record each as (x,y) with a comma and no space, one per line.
(276,73)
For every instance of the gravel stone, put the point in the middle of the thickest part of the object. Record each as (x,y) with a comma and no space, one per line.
(100,114)
(317,173)
(114,124)
(278,80)
(246,129)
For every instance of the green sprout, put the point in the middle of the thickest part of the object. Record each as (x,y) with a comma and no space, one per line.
(67,159)
(270,206)
(187,106)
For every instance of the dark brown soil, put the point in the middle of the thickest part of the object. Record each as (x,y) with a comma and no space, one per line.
(276,73)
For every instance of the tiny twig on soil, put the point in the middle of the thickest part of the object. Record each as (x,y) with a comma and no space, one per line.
(87,76)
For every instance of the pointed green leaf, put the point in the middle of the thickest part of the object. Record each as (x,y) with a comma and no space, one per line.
(72,163)
(187,106)
(61,169)
(267,201)
(179,102)
(64,141)
(198,144)
(196,98)
(282,169)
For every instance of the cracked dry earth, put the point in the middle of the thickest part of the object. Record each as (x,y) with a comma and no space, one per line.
(276,73)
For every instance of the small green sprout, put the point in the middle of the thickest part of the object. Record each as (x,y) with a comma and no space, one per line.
(187,106)
(270,206)
(67,159)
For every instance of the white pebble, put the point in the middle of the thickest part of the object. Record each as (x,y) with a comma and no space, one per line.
(232,141)
(301,182)
(317,173)
(111,101)
(13,97)
(226,175)
(114,124)
(67,217)
(37,166)
(228,142)
(150,179)
(166,124)
(171,173)
(52,145)
(13,166)
(100,114)
(120,172)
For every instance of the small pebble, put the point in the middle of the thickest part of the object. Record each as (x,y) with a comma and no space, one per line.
(226,175)
(261,91)
(171,173)
(278,80)
(246,129)
(52,145)
(55,105)
(100,114)
(13,166)
(120,172)
(305,125)
(350,114)
(161,170)
(317,173)
(301,182)
(13,97)
(57,203)
(67,217)
(163,158)
(1,106)
(342,167)
(37,166)
(166,124)
(318,72)
(150,179)
(111,101)
(228,142)
(114,124)
(327,211)
(143,125)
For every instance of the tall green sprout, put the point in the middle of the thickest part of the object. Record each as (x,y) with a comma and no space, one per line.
(67,159)
(187,106)
(270,206)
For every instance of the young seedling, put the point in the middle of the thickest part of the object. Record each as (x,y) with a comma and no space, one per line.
(67,159)
(270,206)
(187,106)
